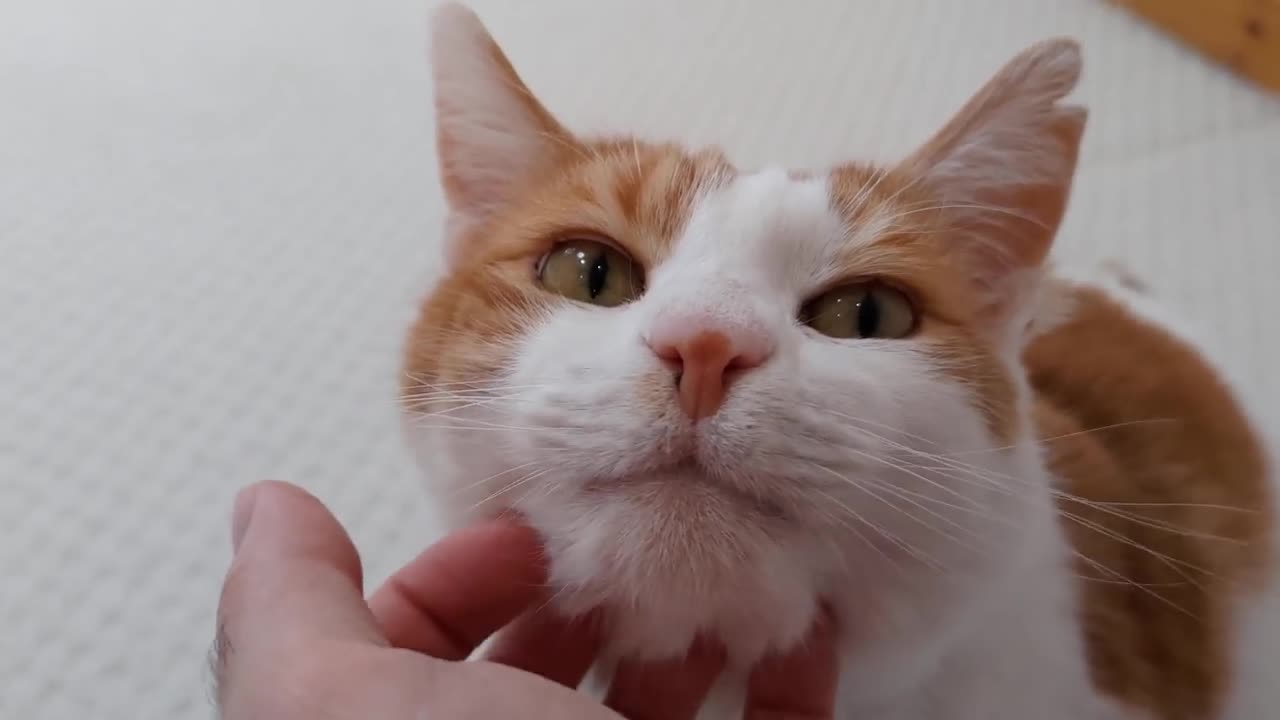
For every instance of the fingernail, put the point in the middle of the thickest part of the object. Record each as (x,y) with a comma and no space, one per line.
(241,512)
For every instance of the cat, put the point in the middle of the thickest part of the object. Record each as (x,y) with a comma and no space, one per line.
(725,397)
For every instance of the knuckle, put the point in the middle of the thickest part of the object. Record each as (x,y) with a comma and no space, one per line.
(282,686)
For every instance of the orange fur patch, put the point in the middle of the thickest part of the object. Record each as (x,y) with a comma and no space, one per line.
(635,194)
(905,246)
(1167,492)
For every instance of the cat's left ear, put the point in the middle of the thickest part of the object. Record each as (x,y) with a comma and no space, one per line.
(1001,169)
(492,135)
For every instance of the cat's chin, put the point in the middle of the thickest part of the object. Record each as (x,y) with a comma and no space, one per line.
(678,555)
(685,482)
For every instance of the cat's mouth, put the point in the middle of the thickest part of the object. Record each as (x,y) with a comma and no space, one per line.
(687,479)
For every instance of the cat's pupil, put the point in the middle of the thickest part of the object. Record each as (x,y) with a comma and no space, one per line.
(868,315)
(597,275)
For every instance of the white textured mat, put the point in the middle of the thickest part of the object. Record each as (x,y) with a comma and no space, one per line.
(215,218)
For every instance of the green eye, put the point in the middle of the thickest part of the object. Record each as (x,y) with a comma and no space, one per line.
(591,271)
(862,310)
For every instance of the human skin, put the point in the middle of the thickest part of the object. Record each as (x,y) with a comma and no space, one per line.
(298,639)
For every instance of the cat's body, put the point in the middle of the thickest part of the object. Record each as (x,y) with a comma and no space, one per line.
(726,398)
(1154,506)
(1169,505)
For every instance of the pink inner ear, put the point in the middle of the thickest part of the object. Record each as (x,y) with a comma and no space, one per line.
(1003,166)
(492,134)
(1004,191)
(457,229)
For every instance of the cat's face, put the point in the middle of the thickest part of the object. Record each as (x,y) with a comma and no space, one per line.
(725,397)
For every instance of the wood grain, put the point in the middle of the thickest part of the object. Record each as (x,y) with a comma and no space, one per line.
(1244,35)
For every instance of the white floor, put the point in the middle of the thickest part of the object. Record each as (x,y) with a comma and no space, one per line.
(215,218)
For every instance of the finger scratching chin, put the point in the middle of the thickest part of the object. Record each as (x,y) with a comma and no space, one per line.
(462,589)
(800,684)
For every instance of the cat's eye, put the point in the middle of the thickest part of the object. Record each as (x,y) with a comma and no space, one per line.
(861,310)
(591,271)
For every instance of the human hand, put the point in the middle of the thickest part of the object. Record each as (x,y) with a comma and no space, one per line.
(296,638)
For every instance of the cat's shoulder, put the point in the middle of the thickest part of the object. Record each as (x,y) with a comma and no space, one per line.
(1167,496)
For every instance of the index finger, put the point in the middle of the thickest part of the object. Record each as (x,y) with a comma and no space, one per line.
(462,589)
(800,685)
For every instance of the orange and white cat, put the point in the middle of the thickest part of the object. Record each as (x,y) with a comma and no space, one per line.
(725,396)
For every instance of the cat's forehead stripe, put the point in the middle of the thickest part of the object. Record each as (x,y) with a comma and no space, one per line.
(648,191)
(769,218)
(762,203)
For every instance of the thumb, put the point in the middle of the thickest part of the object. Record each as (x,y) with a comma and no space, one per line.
(295,573)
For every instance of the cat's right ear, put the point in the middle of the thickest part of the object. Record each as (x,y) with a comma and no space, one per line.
(1001,170)
(492,134)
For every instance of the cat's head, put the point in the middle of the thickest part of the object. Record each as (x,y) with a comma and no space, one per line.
(723,395)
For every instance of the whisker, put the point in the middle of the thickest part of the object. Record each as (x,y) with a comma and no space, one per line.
(1079,433)
(1151,523)
(969,206)
(905,546)
(512,486)
(1140,586)
(852,527)
(448,411)
(1171,562)
(1106,507)
(882,426)
(912,473)
(480,427)
(431,391)
(493,477)
(1197,506)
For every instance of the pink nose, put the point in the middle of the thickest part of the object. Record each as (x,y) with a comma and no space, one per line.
(706,357)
